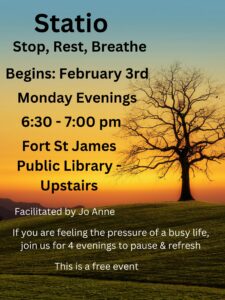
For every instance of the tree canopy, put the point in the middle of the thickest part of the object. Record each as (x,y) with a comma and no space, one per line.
(177,124)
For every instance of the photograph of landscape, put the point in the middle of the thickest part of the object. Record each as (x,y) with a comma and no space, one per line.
(113,150)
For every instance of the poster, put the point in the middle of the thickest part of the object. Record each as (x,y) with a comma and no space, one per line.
(112,153)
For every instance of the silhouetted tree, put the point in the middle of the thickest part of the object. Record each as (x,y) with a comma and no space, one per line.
(177,124)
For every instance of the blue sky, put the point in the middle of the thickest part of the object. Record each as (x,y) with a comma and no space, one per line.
(163,15)
(192,32)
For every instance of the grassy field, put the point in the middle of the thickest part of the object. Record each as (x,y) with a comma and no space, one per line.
(162,274)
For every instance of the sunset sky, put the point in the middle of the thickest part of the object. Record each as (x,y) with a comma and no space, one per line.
(191,32)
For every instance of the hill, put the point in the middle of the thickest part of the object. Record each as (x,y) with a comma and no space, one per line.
(162,274)
(7,207)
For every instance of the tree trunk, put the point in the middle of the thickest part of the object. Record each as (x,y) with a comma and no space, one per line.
(185,189)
